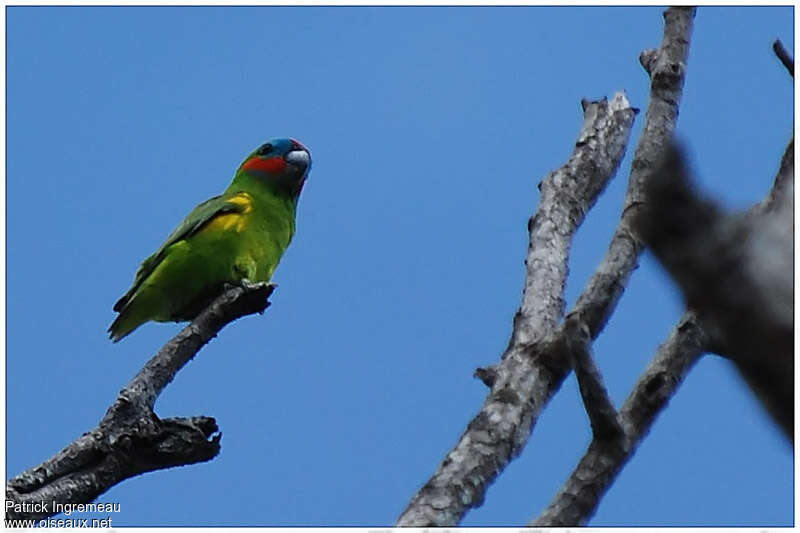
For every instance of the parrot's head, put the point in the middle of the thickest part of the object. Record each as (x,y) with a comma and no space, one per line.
(282,163)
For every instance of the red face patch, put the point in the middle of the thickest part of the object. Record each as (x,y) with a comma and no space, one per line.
(272,165)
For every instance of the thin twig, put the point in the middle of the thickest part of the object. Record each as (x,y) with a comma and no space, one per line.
(784,56)
(602,415)
(783,184)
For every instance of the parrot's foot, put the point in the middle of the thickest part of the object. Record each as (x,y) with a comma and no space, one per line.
(247,284)
(261,286)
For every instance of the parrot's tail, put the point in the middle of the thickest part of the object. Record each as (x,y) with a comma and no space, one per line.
(124,325)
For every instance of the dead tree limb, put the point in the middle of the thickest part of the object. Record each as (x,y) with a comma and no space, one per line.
(580,495)
(577,500)
(130,439)
(525,378)
(530,370)
(666,67)
(691,233)
(603,417)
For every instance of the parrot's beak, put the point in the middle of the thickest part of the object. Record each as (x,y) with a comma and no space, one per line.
(299,157)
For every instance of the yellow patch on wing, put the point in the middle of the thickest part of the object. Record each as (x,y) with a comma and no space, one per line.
(235,221)
(244,200)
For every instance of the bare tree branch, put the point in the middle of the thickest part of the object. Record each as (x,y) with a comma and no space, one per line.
(784,56)
(580,495)
(675,213)
(130,439)
(666,67)
(530,372)
(525,378)
(602,415)
(576,502)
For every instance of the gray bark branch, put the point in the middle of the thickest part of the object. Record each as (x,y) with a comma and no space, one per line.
(602,415)
(684,227)
(527,376)
(531,369)
(579,497)
(577,500)
(666,67)
(130,439)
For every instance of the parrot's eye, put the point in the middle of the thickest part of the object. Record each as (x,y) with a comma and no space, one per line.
(265,149)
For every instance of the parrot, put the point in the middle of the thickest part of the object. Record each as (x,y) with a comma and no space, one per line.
(235,238)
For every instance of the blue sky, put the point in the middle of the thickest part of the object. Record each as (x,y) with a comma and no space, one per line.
(429,129)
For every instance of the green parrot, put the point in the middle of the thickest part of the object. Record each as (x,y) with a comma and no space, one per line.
(236,237)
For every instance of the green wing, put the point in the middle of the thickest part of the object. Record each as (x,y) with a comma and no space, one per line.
(190,225)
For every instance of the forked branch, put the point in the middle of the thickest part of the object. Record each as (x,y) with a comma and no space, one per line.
(531,369)
(527,375)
